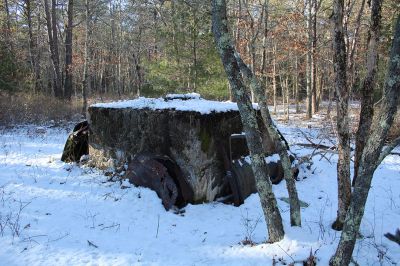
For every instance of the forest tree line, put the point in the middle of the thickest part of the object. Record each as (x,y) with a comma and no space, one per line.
(87,48)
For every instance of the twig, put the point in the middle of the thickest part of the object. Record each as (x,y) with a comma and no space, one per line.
(286,253)
(111,226)
(91,244)
(59,238)
(158,225)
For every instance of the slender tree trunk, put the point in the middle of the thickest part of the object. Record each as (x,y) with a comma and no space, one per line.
(86,66)
(8,26)
(274,76)
(264,44)
(51,20)
(282,149)
(283,89)
(372,155)
(249,120)
(296,86)
(368,85)
(68,52)
(32,45)
(287,97)
(37,53)
(309,67)
(314,107)
(343,166)
(320,89)
(194,49)
(353,45)
(56,57)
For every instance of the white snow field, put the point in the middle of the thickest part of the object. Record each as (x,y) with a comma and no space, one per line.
(52,213)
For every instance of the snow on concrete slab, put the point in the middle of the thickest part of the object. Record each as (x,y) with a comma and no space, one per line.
(180,102)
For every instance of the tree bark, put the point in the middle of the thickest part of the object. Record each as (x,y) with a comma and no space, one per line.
(353,45)
(86,66)
(274,77)
(372,155)
(32,45)
(314,102)
(309,64)
(282,149)
(264,45)
(343,166)
(249,120)
(296,86)
(51,22)
(367,89)
(68,52)
(7,34)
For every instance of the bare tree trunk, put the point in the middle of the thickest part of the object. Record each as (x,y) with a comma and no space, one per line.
(309,67)
(38,78)
(86,76)
(372,155)
(287,97)
(264,44)
(353,45)
(32,45)
(320,88)
(343,166)
(282,149)
(296,86)
(8,26)
(283,88)
(249,120)
(367,90)
(51,21)
(56,58)
(314,102)
(274,76)
(68,52)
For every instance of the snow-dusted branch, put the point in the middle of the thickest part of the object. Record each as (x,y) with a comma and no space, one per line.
(388,149)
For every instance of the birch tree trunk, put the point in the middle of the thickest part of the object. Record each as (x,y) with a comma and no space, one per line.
(372,155)
(249,120)
(367,89)
(343,166)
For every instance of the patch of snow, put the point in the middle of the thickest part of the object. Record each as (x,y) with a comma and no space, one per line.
(274,158)
(191,95)
(195,104)
(125,183)
(66,206)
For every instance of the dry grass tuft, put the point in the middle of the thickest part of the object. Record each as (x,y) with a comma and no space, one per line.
(23,108)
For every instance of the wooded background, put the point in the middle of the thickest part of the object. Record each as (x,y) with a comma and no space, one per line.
(83,49)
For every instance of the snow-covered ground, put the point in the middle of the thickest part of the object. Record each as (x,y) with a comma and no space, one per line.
(52,213)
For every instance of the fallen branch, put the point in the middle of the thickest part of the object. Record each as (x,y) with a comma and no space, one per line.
(316,146)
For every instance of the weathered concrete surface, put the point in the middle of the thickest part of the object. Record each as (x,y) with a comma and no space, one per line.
(189,138)
(196,142)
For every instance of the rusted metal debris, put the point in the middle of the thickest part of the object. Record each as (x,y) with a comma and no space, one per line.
(161,174)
